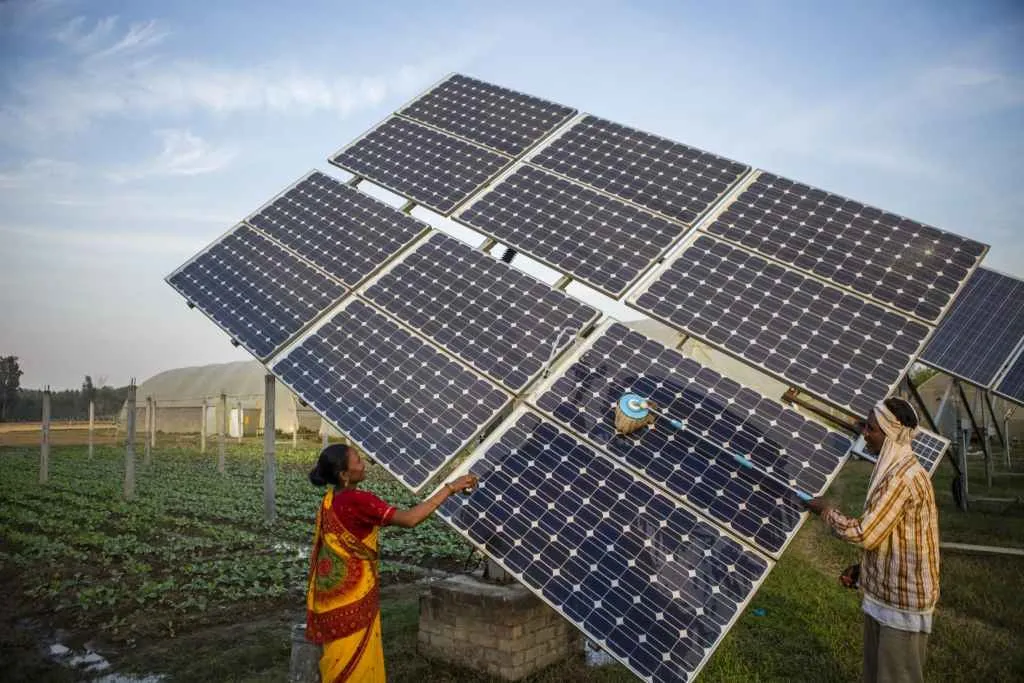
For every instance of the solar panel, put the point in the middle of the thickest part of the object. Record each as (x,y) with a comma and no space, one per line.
(599,240)
(643,576)
(501,321)
(721,418)
(837,346)
(928,446)
(431,168)
(667,177)
(255,290)
(908,265)
(981,330)
(347,233)
(1011,385)
(407,405)
(502,119)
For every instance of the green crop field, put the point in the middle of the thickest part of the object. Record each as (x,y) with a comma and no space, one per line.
(188,581)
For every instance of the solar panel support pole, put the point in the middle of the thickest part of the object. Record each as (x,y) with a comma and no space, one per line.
(92,422)
(269,458)
(44,444)
(1000,431)
(241,422)
(977,432)
(202,428)
(295,424)
(129,447)
(496,573)
(221,438)
(149,425)
(921,404)
(152,432)
(324,427)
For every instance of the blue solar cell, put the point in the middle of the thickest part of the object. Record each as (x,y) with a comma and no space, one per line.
(255,290)
(652,582)
(981,331)
(502,119)
(501,321)
(928,446)
(405,404)
(908,265)
(721,418)
(836,346)
(345,232)
(430,167)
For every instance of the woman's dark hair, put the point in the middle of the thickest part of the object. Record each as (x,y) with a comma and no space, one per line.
(903,411)
(333,461)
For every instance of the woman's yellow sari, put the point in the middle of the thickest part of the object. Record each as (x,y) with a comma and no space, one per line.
(343,601)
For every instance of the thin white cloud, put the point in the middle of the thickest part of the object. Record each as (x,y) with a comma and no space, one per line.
(183,154)
(71,241)
(36,171)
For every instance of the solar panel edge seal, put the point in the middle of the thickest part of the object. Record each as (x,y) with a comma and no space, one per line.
(506,173)
(333,160)
(557,127)
(1016,357)
(688,241)
(579,118)
(587,345)
(495,437)
(492,424)
(277,350)
(384,271)
(756,173)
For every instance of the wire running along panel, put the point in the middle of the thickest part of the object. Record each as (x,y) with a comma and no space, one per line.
(432,168)
(654,584)
(596,239)
(504,120)
(343,231)
(983,327)
(910,266)
(407,405)
(720,417)
(255,290)
(837,346)
(660,175)
(502,322)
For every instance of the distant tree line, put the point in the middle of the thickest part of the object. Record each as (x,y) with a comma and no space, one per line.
(26,405)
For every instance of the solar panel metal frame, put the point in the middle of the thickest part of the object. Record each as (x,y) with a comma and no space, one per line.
(642,287)
(954,310)
(577,353)
(1015,364)
(745,183)
(410,244)
(564,344)
(346,293)
(400,111)
(495,421)
(638,278)
(511,422)
(860,449)
(333,160)
(730,190)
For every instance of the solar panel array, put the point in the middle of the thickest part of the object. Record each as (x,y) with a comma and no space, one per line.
(501,321)
(499,118)
(407,405)
(340,229)
(654,543)
(650,581)
(255,290)
(1011,384)
(432,168)
(835,345)
(599,240)
(721,418)
(667,177)
(982,329)
(908,265)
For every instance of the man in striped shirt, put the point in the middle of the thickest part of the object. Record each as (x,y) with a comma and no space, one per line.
(899,532)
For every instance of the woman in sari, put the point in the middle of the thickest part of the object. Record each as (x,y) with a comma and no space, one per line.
(343,595)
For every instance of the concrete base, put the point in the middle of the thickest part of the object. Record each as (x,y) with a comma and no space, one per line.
(304,666)
(500,630)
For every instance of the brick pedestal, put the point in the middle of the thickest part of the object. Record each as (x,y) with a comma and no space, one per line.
(501,630)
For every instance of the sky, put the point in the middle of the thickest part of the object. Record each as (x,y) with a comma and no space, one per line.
(132,134)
